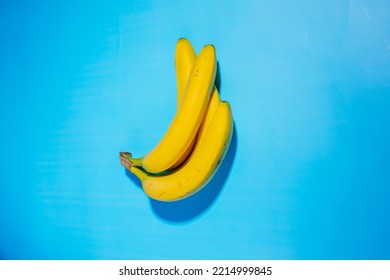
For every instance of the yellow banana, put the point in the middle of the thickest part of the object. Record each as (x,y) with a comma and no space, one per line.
(184,60)
(213,141)
(188,118)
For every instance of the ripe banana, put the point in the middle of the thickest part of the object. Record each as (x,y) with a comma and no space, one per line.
(188,118)
(213,141)
(184,60)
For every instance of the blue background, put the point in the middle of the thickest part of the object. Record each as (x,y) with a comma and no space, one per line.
(307,174)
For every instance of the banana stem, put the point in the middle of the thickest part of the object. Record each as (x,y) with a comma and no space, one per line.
(126,159)
(130,164)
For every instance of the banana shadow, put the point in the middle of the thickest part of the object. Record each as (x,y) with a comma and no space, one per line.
(190,208)
(217,81)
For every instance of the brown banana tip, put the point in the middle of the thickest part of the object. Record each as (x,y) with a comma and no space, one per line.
(125,161)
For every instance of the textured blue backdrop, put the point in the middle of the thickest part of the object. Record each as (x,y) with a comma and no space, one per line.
(306,177)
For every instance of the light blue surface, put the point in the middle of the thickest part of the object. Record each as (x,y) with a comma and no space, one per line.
(307,174)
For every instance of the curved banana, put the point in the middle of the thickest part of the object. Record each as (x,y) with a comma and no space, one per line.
(184,60)
(200,167)
(188,118)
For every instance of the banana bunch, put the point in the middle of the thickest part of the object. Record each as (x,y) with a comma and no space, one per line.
(190,152)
